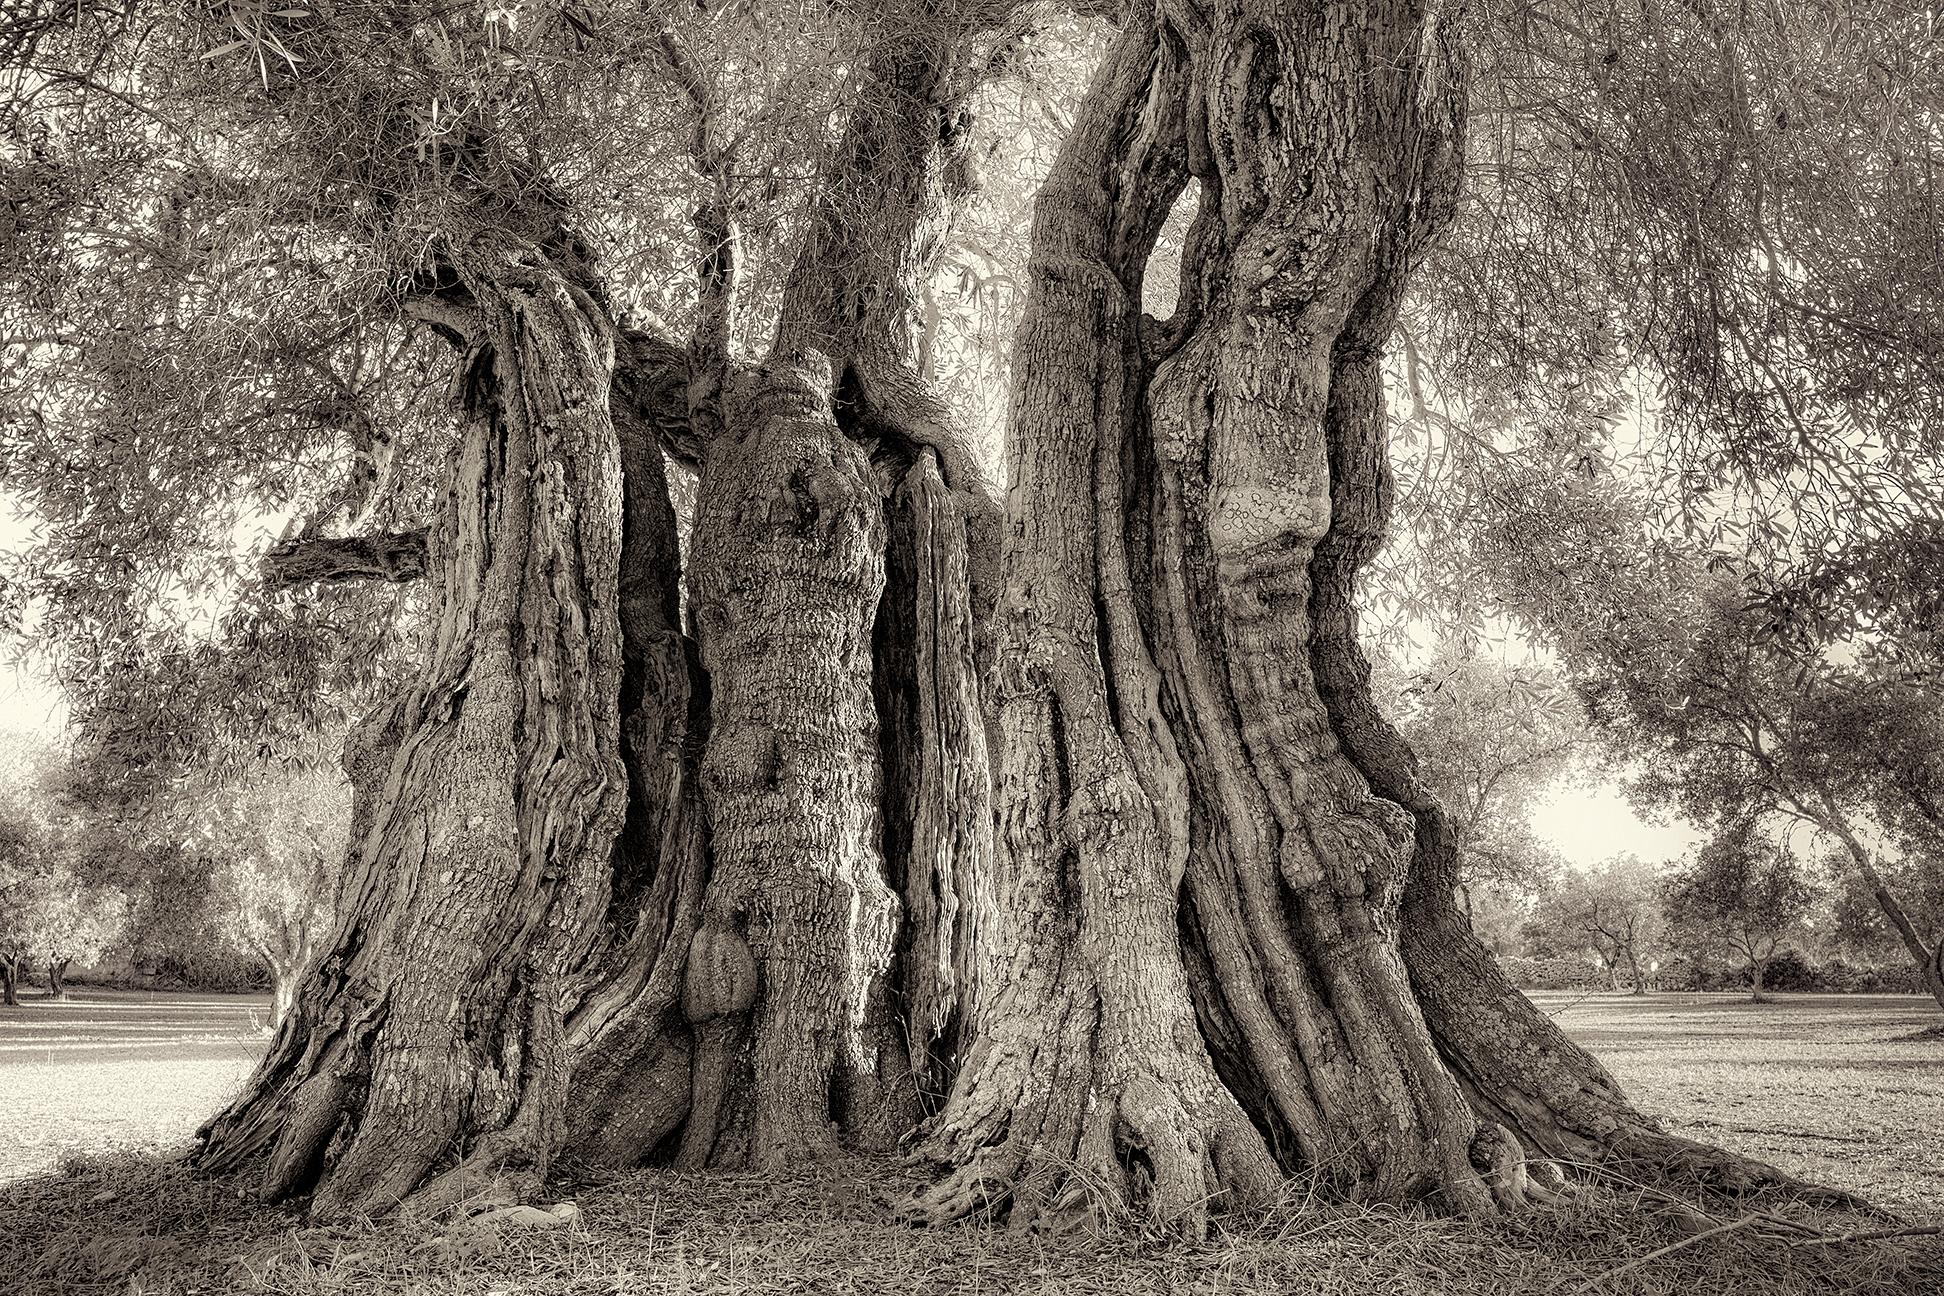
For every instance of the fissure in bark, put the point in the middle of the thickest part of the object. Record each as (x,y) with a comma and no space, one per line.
(424,1058)
(806,1007)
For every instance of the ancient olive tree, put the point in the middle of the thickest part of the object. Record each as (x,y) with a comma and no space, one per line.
(1062,828)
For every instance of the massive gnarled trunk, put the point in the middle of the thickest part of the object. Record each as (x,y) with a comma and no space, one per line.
(1228,949)
(425,1056)
(741,899)
(1161,724)
(794,983)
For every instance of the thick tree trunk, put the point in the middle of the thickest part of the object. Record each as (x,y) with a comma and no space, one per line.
(797,983)
(629,1039)
(427,1043)
(933,687)
(1208,756)
(57,978)
(1757,971)
(786,569)
(10,983)
(1227,942)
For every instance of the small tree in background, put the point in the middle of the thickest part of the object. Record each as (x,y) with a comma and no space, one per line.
(71,922)
(1608,911)
(1490,737)
(280,836)
(53,911)
(19,873)
(49,913)
(1743,893)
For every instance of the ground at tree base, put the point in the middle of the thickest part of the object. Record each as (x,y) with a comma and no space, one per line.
(132,1224)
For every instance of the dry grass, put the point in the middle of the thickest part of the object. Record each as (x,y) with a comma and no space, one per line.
(147,1228)
(118,1069)
(134,1225)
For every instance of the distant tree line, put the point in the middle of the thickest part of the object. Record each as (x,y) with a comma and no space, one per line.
(221,883)
(1770,900)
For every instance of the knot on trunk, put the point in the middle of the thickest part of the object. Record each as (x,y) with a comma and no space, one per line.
(720,979)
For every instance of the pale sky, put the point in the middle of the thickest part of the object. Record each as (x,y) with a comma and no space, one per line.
(1591,822)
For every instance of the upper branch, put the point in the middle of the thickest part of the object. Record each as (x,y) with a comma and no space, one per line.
(391,556)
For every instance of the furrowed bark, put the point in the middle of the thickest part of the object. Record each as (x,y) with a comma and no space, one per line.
(1087,1074)
(424,1060)
(1187,514)
(791,984)
(786,568)
(630,1043)
(932,687)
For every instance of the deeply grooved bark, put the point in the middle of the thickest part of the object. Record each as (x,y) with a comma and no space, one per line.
(789,566)
(787,570)
(1162,523)
(427,1042)
(938,775)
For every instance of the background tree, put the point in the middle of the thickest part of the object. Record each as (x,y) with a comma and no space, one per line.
(1683,672)
(69,922)
(1610,911)
(1743,893)
(280,837)
(1492,738)
(22,861)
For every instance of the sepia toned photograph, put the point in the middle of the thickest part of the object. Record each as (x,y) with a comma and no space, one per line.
(988,647)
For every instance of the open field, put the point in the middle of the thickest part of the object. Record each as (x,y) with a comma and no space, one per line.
(1829,1087)
(113,1069)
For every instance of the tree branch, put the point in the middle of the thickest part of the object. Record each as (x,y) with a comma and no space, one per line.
(397,556)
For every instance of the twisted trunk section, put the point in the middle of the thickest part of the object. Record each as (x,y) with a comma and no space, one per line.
(804,1003)
(1088,1076)
(1515,1065)
(1227,947)
(425,1057)
(787,566)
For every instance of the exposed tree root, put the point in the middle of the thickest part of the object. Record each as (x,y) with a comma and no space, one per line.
(1051,1128)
